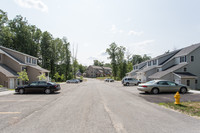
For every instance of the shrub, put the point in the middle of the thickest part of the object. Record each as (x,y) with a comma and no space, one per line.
(1,86)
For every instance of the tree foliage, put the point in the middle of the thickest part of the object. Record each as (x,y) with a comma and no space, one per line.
(23,76)
(53,53)
(120,64)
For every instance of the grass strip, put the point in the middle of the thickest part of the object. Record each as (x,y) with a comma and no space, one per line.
(190,108)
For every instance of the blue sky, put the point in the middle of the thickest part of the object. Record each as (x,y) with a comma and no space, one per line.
(143,26)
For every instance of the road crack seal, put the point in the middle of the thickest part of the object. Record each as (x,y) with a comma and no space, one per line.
(117,125)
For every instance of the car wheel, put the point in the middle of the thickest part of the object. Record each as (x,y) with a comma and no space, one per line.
(47,91)
(127,84)
(21,91)
(183,90)
(155,90)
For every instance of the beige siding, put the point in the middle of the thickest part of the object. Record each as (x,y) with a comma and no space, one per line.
(33,74)
(3,80)
(12,64)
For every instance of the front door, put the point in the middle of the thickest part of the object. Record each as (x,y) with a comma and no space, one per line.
(12,83)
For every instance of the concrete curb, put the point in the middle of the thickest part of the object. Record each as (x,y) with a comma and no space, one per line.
(194,91)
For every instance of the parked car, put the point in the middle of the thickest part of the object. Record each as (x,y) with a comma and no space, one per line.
(109,80)
(39,86)
(157,86)
(80,80)
(73,81)
(130,81)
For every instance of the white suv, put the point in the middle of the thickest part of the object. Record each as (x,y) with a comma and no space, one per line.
(130,81)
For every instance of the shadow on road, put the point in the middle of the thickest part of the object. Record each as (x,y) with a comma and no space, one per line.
(37,93)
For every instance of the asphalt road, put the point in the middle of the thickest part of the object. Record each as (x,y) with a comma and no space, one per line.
(90,107)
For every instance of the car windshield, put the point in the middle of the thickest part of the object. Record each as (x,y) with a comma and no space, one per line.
(151,82)
(52,83)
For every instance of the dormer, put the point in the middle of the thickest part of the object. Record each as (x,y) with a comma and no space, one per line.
(30,60)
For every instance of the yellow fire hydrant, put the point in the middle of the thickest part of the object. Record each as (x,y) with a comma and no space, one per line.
(177,98)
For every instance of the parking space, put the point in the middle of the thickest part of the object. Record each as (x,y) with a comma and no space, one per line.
(159,98)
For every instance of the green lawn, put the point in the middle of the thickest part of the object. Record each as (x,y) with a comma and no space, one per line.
(190,108)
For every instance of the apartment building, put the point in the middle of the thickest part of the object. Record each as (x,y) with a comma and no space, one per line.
(12,61)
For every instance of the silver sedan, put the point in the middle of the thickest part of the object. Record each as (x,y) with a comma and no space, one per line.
(73,81)
(157,86)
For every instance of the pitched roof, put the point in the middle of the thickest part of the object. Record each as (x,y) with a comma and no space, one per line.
(96,67)
(39,68)
(163,73)
(10,56)
(187,50)
(108,68)
(2,47)
(185,75)
(133,71)
(147,69)
(8,72)
(165,54)
(2,52)
(99,67)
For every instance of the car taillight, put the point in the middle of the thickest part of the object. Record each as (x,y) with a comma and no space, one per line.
(144,86)
(55,86)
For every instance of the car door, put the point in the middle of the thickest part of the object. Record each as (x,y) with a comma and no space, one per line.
(42,85)
(173,87)
(32,87)
(163,86)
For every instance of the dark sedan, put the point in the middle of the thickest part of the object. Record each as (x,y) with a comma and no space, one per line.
(39,86)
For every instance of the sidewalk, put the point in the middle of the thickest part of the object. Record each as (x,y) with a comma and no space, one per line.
(4,91)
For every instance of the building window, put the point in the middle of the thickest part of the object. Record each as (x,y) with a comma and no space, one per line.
(23,68)
(34,61)
(185,69)
(154,62)
(149,63)
(29,60)
(18,82)
(183,59)
(192,58)
(196,81)
(26,59)
(188,82)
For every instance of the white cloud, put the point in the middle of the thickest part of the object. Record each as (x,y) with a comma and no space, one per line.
(37,4)
(131,32)
(115,30)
